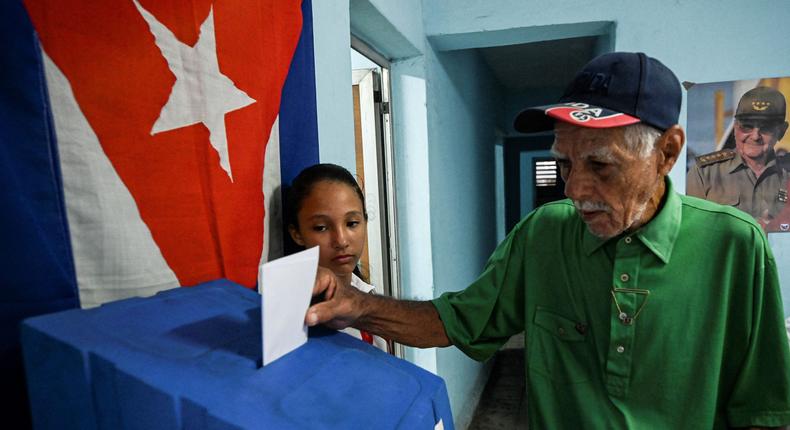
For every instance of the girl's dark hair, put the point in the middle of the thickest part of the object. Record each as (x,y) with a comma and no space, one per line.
(302,185)
(306,180)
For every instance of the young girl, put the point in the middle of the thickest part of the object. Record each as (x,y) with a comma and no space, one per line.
(326,207)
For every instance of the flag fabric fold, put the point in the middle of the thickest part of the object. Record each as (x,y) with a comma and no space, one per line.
(142,147)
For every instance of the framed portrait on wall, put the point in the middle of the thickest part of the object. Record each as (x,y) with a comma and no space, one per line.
(739,149)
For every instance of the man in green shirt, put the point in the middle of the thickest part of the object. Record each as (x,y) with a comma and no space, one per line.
(641,308)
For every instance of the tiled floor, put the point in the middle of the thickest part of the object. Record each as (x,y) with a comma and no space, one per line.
(503,404)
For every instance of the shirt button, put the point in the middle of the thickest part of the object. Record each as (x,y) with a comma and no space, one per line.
(628,239)
(624,277)
(620,349)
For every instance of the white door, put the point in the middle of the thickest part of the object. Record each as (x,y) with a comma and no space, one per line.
(370,152)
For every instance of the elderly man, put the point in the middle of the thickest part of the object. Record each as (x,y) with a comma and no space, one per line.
(641,308)
(749,177)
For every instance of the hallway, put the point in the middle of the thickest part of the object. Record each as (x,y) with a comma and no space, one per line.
(503,404)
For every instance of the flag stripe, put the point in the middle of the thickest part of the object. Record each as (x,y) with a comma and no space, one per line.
(272,221)
(37,273)
(114,253)
(298,119)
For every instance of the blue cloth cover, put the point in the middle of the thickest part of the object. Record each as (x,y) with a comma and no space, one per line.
(190,357)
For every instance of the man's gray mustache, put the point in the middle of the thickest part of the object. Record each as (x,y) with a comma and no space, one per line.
(591,206)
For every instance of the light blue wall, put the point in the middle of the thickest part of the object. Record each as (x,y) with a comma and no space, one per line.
(413,194)
(393,27)
(462,108)
(334,103)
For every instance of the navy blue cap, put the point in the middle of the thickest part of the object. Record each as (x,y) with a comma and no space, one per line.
(612,90)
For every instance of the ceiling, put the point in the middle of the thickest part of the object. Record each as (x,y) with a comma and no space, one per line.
(551,63)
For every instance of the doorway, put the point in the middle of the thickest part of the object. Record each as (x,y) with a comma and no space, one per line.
(374,165)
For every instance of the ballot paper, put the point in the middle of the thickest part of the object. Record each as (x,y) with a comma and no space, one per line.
(286,286)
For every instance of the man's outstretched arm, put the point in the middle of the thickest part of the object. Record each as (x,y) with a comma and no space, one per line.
(410,323)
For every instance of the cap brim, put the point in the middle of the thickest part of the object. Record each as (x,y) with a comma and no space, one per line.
(542,118)
(757,117)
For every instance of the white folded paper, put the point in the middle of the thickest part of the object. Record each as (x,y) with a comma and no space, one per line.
(286,285)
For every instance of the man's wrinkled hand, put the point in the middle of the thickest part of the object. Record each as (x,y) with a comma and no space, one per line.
(341,305)
(325,284)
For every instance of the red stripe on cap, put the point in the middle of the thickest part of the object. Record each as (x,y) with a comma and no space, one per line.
(590,117)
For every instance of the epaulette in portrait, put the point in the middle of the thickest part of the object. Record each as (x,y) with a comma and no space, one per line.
(715,157)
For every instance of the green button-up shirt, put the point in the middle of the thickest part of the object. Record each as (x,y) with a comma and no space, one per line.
(694,339)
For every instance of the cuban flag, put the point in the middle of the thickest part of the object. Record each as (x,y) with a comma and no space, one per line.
(143,144)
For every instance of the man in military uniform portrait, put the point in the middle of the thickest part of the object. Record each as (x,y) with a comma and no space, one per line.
(749,177)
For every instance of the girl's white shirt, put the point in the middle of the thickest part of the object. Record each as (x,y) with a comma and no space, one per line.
(363,286)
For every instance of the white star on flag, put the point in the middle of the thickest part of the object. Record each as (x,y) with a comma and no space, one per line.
(201,92)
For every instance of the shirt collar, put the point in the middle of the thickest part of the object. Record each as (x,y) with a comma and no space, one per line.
(658,235)
(737,163)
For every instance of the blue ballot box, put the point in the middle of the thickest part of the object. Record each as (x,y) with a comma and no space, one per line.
(189,358)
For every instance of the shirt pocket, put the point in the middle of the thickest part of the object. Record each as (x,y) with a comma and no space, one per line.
(727,199)
(559,349)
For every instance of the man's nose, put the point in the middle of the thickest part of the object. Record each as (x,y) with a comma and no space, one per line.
(575,186)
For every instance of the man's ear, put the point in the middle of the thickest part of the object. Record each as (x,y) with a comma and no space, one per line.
(669,146)
(782,130)
(295,235)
